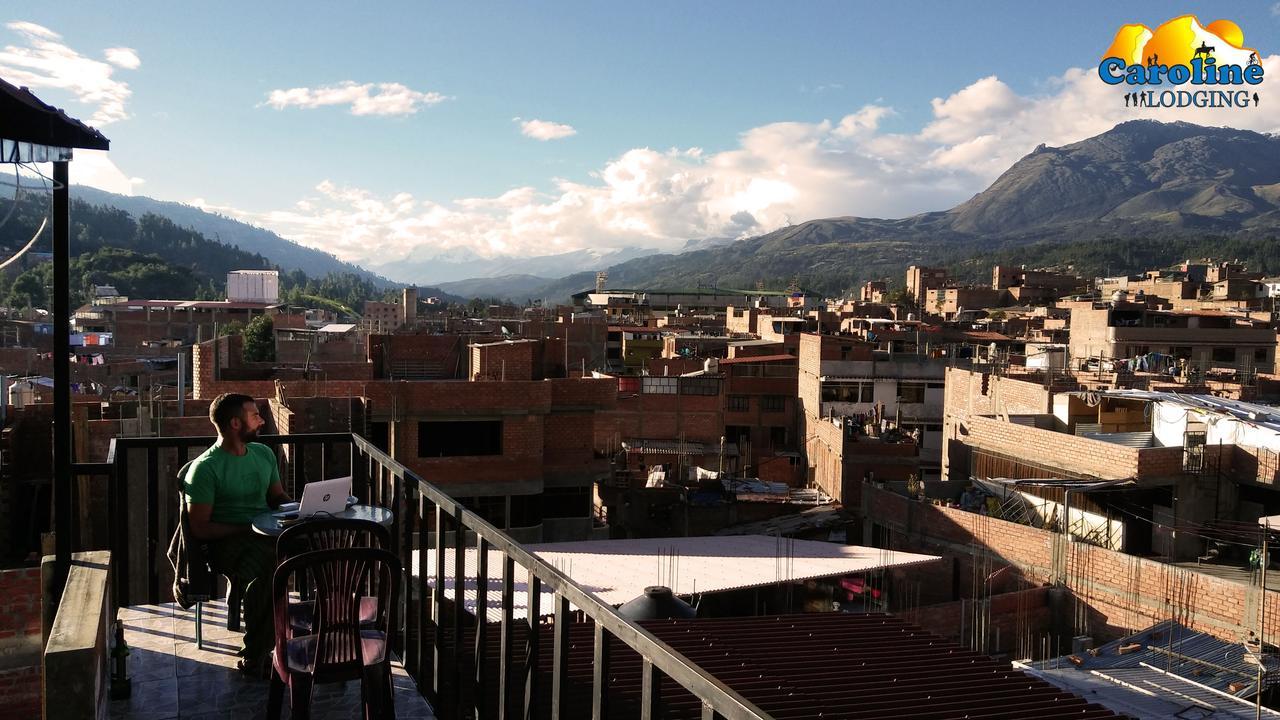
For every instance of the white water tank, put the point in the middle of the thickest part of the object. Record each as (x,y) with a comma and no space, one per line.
(253,286)
(21,394)
(1120,296)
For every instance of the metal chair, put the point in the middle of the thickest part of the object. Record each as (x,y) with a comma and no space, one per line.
(200,574)
(340,647)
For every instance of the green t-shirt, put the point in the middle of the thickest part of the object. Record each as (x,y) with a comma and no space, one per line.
(235,485)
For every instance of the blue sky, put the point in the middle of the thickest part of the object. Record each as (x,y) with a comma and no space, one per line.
(685,115)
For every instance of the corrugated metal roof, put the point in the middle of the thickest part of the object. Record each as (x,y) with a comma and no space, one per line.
(1149,693)
(1196,656)
(804,667)
(1263,415)
(617,571)
(759,359)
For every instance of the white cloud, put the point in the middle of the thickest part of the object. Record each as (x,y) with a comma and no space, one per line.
(365,99)
(124,57)
(545,129)
(774,175)
(44,61)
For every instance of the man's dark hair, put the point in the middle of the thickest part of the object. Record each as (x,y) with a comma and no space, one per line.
(225,407)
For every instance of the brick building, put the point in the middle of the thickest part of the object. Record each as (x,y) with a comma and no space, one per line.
(148,327)
(762,416)
(1124,330)
(920,280)
(521,452)
(842,376)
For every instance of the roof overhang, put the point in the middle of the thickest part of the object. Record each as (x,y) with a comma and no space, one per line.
(33,131)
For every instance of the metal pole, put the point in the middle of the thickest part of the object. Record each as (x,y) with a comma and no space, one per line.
(1262,618)
(182,381)
(61,373)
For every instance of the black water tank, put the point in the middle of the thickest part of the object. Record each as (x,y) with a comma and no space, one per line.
(657,603)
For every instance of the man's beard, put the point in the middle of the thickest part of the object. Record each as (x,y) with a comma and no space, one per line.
(248,436)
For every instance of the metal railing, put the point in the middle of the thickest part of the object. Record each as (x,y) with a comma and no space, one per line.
(446,649)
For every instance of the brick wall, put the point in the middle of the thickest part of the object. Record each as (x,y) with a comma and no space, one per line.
(505,361)
(1079,455)
(1116,592)
(964,396)
(20,642)
(1012,613)
(698,418)
(17,360)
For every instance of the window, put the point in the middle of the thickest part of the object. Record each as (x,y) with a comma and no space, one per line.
(456,438)
(566,502)
(739,403)
(660,385)
(851,392)
(737,434)
(911,392)
(526,510)
(491,508)
(777,437)
(773,403)
(1260,355)
(700,386)
(1224,354)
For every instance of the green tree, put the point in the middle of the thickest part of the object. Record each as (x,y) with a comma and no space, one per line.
(259,340)
(29,288)
(235,327)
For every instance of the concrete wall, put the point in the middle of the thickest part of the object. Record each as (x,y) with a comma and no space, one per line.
(75,656)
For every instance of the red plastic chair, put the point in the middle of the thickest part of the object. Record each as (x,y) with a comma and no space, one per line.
(328,533)
(340,648)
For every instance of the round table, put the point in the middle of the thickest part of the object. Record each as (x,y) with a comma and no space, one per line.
(268,524)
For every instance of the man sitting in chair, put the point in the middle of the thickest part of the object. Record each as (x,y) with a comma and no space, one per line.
(227,486)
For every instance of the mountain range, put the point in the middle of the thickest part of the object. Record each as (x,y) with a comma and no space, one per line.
(284,253)
(1138,180)
(1141,179)
(463,265)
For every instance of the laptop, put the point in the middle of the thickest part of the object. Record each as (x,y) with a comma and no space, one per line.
(324,496)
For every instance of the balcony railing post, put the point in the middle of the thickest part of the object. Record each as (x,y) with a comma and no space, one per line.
(534,589)
(600,675)
(425,595)
(153,523)
(437,607)
(299,469)
(482,625)
(505,711)
(560,664)
(459,602)
(650,692)
(404,606)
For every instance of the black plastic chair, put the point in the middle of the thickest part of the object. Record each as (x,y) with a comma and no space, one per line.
(200,573)
(341,647)
(326,533)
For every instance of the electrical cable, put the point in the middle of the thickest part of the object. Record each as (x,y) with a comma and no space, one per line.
(17,190)
(43,223)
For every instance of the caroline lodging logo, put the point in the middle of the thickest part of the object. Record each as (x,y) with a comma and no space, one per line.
(1180,63)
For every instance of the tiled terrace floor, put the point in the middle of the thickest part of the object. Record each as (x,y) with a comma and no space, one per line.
(172,678)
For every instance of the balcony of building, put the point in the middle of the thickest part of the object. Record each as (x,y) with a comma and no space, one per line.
(128,506)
